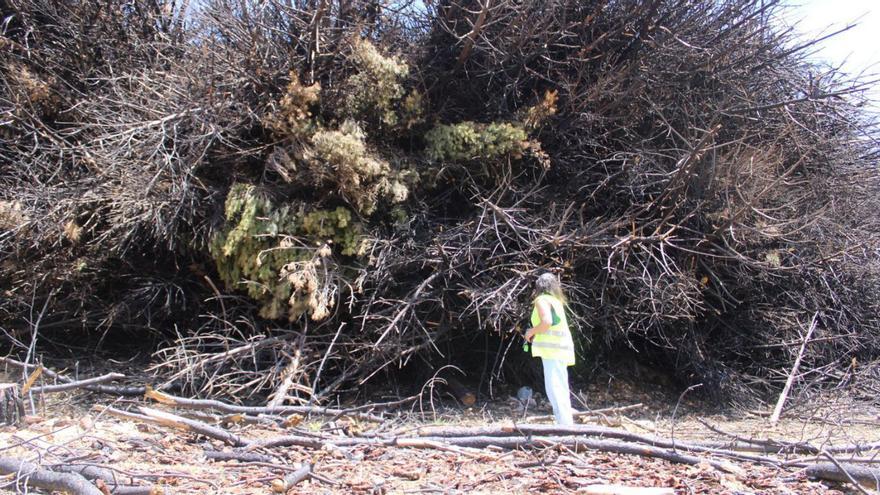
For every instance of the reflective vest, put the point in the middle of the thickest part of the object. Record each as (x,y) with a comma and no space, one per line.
(555,343)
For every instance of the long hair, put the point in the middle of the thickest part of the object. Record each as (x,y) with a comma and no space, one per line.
(548,283)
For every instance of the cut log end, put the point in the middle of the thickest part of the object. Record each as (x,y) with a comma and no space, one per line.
(461,392)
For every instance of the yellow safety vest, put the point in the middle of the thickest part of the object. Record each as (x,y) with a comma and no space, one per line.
(555,343)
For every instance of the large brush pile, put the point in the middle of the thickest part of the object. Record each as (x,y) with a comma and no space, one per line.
(302,196)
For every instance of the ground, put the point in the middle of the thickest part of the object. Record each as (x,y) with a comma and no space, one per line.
(74,427)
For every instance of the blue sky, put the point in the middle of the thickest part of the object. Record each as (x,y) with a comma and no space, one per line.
(857,49)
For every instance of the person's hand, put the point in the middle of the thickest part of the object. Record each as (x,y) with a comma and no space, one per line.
(530,334)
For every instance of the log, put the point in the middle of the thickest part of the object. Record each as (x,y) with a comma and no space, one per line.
(460,392)
(11,405)
(30,474)
(866,476)
(289,481)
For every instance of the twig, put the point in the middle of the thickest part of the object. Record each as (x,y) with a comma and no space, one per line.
(172,400)
(105,389)
(594,412)
(777,411)
(162,418)
(48,389)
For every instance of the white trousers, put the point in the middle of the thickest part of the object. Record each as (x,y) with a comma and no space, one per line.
(556,385)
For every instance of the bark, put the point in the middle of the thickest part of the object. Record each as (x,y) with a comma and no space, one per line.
(46,389)
(104,389)
(172,400)
(11,405)
(578,444)
(866,476)
(292,479)
(162,418)
(30,474)
(461,392)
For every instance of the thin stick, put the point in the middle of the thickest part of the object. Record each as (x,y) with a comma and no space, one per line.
(172,400)
(162,418)
(777,411)
(104,389)
(48,389)
(595,412)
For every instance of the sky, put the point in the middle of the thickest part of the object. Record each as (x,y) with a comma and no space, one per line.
(857,49)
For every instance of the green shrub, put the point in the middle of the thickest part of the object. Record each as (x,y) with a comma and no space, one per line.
(470,141)
(273,252)
(342,156)
(377,85)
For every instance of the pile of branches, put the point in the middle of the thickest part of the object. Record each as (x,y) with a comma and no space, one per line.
(302,196)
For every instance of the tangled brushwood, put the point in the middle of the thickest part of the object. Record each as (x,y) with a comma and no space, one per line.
(295,198)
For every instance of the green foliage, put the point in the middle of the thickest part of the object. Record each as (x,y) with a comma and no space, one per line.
(377,86)
(362,177)
(334,225)
(271,252)
(470,141)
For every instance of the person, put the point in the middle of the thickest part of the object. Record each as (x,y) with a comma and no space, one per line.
(551,341)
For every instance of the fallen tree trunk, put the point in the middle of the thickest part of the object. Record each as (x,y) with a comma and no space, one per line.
(29,474)
(866,476)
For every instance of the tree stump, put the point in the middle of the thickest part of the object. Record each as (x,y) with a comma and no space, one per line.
(11,405)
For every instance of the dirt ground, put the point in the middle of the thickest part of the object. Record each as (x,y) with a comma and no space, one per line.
(73,428)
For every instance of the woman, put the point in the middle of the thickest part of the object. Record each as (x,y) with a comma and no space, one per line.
(551,341)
